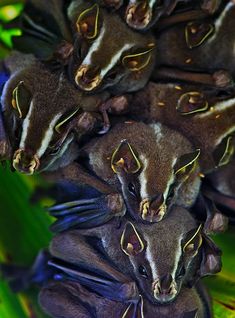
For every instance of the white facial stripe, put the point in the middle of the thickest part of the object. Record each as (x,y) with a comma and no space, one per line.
(25,126)
(218,107)
(115,59)
(152,263)
(47,136)
(227,133)
(157,131)
(178,253)
(170,181)
(95,47)
(151,3)
(143,178)
(218,23)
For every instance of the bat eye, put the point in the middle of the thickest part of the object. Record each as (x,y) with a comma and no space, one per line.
(131,189)
(143,272)
(21,99)
(138,61)
(87,22)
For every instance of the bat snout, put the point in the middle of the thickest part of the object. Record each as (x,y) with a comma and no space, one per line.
(87,78)
(138,15)
(153,210)
(25,162)
(164,289)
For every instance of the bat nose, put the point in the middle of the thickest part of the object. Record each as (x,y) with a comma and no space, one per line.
(165,284)
(88,77)
(164,288)
(25,162)
(156,202)
(138,15)
(153,210)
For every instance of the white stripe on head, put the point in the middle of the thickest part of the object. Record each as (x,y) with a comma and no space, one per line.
(115,59)
(152,262)
(143,178)
(25,127)
(219,21)
(96,46)
(157,131)
(47,136)
(171,180)
(218,107)
(151,3)
(178,253)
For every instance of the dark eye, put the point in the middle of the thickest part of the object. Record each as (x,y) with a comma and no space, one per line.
(143,271)
(131,189)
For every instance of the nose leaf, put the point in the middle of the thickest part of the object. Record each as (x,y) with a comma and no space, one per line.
(154,210)
(165,283)
(25,162)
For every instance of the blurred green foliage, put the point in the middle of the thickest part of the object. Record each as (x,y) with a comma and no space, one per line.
(24,227)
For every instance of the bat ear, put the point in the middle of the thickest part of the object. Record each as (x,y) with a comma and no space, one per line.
(191,102)
(131,243)
(224,152)
(186,163)
(124,158)
(87,22)
(136,62)
(196,33)
(211,258)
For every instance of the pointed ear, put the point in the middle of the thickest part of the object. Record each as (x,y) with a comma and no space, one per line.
(138,61)
(87,22)
(224,152)
(65,120)
(197,32)
(21,98)
(125,158)
(191,102)
(186,163)
(131,243)
(211,258)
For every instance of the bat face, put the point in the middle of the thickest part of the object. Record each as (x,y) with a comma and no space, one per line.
(38,108)
(165,255)
(141,14)
(155,167)
(104,56)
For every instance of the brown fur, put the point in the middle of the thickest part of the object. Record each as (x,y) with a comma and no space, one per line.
(115,38)
(162,245)
(157,103)
(70,300)
(208,57)
(52,95)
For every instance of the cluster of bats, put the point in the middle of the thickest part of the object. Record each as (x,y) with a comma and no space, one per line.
(129,109)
